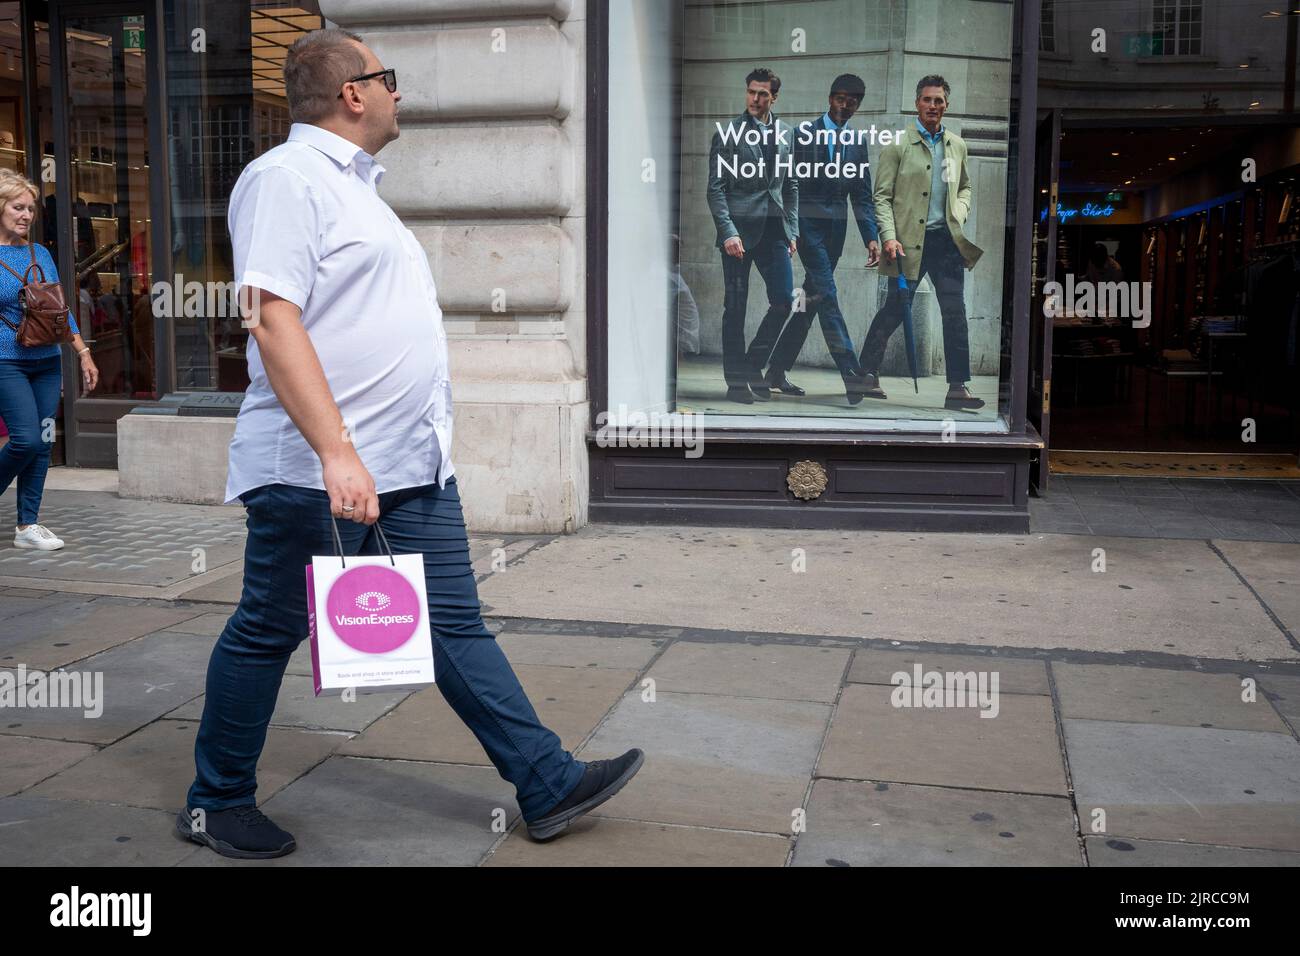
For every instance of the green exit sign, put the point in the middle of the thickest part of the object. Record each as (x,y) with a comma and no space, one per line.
(1114,197)
(133,33)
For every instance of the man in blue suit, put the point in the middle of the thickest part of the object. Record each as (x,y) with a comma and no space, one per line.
(823,225)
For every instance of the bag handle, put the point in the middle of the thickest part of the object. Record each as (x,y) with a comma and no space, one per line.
(338,542)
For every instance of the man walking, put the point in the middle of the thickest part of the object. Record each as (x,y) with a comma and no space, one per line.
(348,415)
(754,202)
(828,148)
(923,197)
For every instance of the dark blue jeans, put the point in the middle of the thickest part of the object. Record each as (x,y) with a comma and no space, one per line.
(821,300)
(772,256)
(287,526)
(29,400)
(941,261)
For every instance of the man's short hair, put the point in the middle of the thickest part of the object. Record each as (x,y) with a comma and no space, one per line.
(934,79)
(849,83)
(315,69)
(764,75)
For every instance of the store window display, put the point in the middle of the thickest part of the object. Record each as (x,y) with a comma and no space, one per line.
(840,238)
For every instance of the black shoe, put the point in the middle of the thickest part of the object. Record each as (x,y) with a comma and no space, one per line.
(964,402)
(243,833)
(602,779)
(760,390)
(784,385)
(853,391)
(869,387)
(741,394)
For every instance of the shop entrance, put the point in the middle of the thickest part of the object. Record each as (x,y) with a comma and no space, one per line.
(1173,340)
(107,205)
(1167,230)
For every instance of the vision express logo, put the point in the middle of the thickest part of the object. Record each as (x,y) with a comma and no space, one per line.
(383,620)
(373,601)
(373,609)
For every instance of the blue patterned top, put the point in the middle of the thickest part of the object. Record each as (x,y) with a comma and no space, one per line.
(19,259)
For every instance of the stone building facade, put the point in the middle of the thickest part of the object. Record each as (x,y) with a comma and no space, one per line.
(489,174)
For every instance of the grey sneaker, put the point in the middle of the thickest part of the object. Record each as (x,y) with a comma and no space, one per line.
(602,779)
(243,833)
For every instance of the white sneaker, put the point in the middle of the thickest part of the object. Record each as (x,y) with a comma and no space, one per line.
(37,537)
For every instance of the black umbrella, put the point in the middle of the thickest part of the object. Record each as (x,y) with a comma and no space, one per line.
(909,334)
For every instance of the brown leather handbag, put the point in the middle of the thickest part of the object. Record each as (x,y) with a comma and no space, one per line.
(45,311)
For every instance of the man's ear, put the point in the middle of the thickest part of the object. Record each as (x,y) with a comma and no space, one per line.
(352,100)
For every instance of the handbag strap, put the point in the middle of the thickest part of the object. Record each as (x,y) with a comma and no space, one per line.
(20,279)
(338,542)
(35,265)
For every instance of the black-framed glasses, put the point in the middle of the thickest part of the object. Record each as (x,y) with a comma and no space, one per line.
(389,75)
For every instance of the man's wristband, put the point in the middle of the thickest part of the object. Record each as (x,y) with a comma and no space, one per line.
(84,351)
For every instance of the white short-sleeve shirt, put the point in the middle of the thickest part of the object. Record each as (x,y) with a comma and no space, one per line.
(307,224)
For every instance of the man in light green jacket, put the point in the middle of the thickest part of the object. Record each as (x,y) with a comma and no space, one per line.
(922,198)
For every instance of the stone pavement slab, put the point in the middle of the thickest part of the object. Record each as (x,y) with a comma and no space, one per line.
(490,554)
(29,760)
(155,767)
(355,812)
(1157,782)
(777,671)
(67,630)
(579,650)
(1274,571)
(1154,696)
(596,842)
(872,666)
(113,540)
(569,700)
(63,478)
(38,832)
(871,739)
(300,660)
(1008,590)
(226,590)
(1113,851)
(298,706)
(25,592)
(142,681)
(1284,693)
(737,763)
(12,605)
(852,823)
(210,624)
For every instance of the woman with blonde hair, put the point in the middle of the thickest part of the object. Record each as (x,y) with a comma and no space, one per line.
(31,378)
